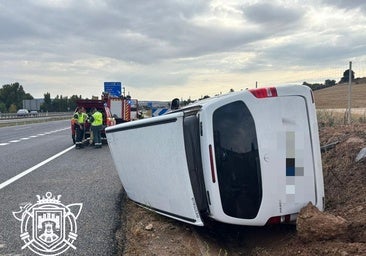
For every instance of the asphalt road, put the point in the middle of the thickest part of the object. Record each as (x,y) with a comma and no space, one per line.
(85,176)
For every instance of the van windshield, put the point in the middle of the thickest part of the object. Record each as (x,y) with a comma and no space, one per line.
(237,160)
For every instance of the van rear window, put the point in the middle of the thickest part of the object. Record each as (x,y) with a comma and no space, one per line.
(237,160)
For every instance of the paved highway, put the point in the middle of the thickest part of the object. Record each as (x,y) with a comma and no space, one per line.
(40,158)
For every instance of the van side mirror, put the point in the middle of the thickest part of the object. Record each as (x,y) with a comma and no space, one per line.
(175,104)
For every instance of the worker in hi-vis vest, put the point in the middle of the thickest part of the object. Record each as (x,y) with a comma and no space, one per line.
(79,125)
(96,120)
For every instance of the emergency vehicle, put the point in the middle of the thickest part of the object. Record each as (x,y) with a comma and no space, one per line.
(123,109)
(247,158)
(115,110)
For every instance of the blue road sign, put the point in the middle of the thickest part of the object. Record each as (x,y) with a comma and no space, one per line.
(113,88)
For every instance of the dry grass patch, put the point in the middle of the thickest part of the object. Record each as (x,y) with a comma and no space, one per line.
(337,96)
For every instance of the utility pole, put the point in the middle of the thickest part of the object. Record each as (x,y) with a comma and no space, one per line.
(349,92)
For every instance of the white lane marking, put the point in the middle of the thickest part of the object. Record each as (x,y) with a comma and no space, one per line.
(33,136)
(22,174)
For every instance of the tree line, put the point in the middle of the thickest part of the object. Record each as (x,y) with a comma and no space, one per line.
(329,83)
(12,96)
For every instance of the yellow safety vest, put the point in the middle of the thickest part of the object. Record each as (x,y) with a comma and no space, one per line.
(80,117)
(98,119)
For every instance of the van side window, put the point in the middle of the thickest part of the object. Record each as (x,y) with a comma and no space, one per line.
(237,160)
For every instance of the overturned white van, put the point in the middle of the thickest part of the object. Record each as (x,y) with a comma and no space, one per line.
(245,158)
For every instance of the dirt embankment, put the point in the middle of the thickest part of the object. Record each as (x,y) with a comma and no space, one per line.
(146,233)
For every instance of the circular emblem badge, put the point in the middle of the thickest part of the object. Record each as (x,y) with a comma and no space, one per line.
(48,227)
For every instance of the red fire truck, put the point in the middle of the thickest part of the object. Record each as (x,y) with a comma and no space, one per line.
(123,109)
(114,109)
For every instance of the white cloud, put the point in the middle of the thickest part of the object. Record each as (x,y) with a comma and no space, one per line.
(164,49)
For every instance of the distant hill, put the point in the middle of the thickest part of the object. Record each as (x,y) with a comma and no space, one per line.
(337,96)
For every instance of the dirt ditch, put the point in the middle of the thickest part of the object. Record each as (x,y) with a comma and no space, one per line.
(146,233)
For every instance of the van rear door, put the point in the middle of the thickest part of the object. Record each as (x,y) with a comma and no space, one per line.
(266,155)
(289,152)
(156,175)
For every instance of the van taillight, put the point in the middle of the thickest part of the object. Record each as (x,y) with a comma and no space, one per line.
(279,219)
(264,92)
(212,164)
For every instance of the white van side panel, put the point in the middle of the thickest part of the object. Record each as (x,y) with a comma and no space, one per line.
(151,162)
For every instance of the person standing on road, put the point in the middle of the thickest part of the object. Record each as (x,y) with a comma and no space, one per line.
(79,125)
(96,120)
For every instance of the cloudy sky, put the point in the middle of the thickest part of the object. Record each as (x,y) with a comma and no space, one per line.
(177,48)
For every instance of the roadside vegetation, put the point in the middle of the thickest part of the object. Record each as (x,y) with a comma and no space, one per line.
(331,118)
(12,96)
